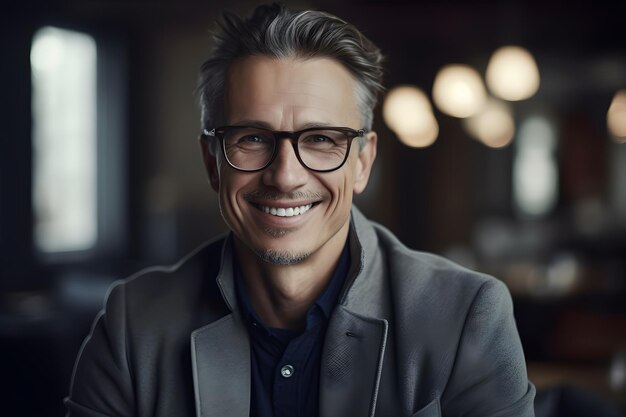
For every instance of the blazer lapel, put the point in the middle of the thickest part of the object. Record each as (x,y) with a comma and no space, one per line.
(352,362)
(221,368)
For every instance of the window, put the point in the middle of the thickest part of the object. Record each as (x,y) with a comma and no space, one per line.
(64,109)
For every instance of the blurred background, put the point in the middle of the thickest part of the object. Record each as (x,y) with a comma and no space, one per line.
(100,171)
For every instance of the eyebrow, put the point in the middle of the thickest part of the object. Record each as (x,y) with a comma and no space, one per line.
(265,125)
(315,124)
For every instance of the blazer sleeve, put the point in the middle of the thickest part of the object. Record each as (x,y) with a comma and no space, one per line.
(102,381)
(489,376)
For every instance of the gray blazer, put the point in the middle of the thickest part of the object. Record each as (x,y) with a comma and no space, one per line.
(412,335)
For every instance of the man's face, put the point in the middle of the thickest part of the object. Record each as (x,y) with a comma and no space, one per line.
(290,94)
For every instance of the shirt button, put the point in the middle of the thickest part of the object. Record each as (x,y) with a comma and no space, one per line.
(287,371)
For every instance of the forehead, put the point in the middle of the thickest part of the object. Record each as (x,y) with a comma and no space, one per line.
(287,92)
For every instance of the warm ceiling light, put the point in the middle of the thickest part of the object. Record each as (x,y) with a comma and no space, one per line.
(616,117)
(407,111)
(512,73)
(426,137)
(458,90)
(493,125)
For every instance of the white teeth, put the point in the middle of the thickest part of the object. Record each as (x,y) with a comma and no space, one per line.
(286,212)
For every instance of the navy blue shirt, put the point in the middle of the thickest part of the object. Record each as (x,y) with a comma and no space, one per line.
(286,363)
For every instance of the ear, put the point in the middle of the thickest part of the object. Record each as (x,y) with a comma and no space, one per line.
(365,161)
(210,164)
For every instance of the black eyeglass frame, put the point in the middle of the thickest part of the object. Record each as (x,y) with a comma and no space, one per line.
(219,133)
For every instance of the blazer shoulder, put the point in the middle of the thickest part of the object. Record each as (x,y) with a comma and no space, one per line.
(171,289)
(428,285)
(205,258)
(412,267)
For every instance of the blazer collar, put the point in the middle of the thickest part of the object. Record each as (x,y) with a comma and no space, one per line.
(352,363)
(220,355)
(354,348)
(226,277)
(366,286)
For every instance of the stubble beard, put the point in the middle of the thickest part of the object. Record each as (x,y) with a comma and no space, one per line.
(284,258)
(280,257)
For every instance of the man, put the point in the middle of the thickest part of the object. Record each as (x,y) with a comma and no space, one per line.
(306,308)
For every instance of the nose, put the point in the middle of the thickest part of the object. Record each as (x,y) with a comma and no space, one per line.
(285,173)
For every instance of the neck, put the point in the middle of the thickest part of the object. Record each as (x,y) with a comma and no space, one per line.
(282,294)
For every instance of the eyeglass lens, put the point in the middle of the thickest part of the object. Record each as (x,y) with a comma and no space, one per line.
(253,148)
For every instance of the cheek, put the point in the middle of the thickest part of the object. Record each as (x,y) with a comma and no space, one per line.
(341,189)
(227,192)
(233,186)
(350,175)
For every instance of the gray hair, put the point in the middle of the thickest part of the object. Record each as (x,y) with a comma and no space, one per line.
(278,32)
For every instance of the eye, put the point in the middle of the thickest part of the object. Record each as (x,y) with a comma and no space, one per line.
(250,138)
(318,139)
(254,139)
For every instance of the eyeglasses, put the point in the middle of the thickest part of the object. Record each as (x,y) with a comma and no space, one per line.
(320,149)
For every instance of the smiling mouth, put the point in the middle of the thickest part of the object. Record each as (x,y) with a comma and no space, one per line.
(284,211)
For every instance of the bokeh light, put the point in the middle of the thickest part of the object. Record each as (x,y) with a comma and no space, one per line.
(458,90)
(512,74)
(616,117)
(493,125)
(535,173)
(407,111)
